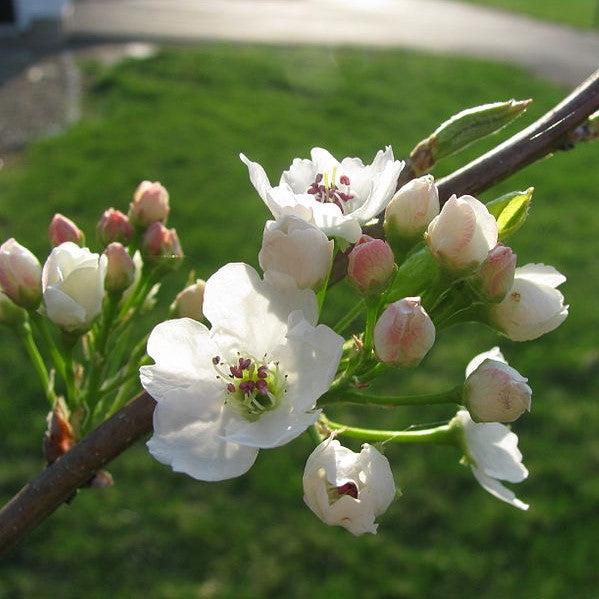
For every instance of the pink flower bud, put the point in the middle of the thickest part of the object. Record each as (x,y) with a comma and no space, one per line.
(120,269)
(115,226)
(160,242)
(150,204)
(371,264)
(190,302)
(404,333)
(496,274)
(63,229)
(20,275)
(494,391)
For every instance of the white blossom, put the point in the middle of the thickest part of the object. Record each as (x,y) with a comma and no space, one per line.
(249,382)
(295,249)
(493,456)
(348,489)
(338,197)
(462,235)
(73,286)
(534,306)
(494,391)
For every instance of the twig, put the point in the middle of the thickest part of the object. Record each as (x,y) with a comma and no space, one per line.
(37,500)
(57,483)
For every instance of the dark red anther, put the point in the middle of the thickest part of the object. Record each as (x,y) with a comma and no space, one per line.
(231,388)
(348,488)
(262,386)
(244,363)
(344,180)
(262,372)
(216,360)
(318,178)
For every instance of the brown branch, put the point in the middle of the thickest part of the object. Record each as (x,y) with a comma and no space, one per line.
(57,483)
(37,500)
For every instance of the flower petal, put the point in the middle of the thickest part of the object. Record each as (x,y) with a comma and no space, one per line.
(492,354)
(541,274)
(497,489)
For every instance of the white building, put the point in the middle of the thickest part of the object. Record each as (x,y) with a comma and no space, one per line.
(20,14)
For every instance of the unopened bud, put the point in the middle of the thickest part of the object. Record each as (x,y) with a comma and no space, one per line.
(20,275)
(59,436)
(10,313)
(150,204)
(371,264)
(120,269)
(494,391)
(63,229)
(114,226)
(463,234)
(404,333)
(190,302)
(161,243)
(411,209)
(496,275)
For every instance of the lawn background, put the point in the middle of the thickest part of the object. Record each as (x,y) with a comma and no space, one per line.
(182,117)
(578,13)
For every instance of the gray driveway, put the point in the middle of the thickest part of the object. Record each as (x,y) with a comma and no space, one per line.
(561,54)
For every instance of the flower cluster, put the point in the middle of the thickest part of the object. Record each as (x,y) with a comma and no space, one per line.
(241,362)
(264,370)
(81,306)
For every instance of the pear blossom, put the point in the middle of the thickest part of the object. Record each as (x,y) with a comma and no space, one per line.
(404,333)
(295,249)
(493,456)
(348,489)
(463,233)
(249,382)
(338,197)
(20,274)
(63,229)
(189,302)
(534,306)
(496,275)
(412,208)
(73,286)
(150,204)
(494,391)
(120,269)
(371,264)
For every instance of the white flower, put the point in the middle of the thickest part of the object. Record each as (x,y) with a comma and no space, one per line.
(249,382)
(413,207)
(494,391)
(348,489)
(337,197)
(463,233)
(493,455)
(295,249)
(73,286)
(534,306)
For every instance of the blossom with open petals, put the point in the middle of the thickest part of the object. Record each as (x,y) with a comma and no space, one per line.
(249,382)
(534,306)
(493,456)
(338,197)
(348,489)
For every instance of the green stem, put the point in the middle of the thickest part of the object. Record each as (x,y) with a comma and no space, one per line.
(355,311)
(55,354)
(38,363)
(69,342)
(441,435)
(426,399)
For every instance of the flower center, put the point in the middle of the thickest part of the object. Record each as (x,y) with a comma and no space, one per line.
(252,386)
(335,493)
(325,189)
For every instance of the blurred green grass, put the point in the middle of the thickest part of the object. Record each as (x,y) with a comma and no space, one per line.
(579,13)
(182,117)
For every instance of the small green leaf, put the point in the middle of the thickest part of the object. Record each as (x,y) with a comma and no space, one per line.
(510,211)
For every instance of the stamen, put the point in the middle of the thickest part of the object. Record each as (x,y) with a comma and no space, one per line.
(329,192)
(348,488)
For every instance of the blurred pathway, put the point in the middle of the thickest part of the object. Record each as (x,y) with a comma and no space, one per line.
(561,54)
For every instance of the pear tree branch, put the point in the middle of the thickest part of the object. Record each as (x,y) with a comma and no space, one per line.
(57,483)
